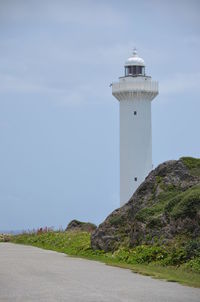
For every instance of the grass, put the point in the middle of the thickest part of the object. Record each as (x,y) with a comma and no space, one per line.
(174,203)
(146,260)
(185,204)
(193,164)
(170,274)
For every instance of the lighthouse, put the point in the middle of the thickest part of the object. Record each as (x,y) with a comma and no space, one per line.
(134,91)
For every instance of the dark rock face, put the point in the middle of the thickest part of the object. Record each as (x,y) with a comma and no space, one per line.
(165,205)
(76,225)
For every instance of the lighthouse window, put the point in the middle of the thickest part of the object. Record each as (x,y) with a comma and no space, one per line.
(143,72)
(135,112)
(134,70)
(135,178)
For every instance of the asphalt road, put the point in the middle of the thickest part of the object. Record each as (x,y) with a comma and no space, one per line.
(32,274)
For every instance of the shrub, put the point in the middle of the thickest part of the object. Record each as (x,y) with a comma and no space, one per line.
(154,222)
(192,249)
(140,254)
(5,237)
(193,265)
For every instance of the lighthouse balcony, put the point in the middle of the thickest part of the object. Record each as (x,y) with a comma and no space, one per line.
(135,89)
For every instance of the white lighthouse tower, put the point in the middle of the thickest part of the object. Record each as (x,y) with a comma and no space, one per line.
(134,91)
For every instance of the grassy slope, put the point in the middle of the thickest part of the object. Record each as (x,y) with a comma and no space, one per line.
(143,259)
(193,164)
(173,202)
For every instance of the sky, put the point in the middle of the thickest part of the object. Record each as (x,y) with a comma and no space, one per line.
(59,123)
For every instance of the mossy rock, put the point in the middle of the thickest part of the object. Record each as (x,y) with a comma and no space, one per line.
(193,164)
(76,225)
(116,220)
(165,205)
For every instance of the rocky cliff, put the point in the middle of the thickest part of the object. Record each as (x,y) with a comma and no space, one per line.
(166,205)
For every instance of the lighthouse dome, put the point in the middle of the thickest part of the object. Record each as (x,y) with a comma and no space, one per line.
(134,60)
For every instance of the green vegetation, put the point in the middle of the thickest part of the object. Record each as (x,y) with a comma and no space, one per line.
(71,243)
(178,262)
(116,220)
(185,204)
(173,203)
(193,164)
(5,237)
